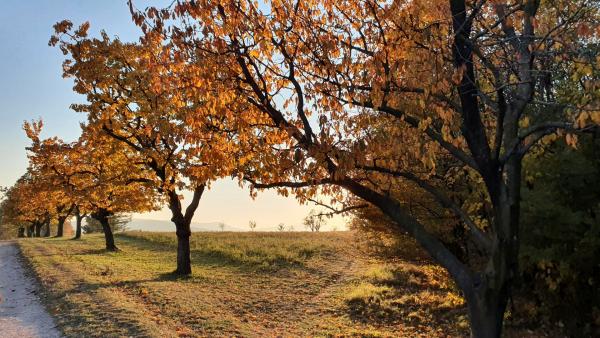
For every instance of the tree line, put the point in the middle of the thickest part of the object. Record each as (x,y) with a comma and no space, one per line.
(357,106)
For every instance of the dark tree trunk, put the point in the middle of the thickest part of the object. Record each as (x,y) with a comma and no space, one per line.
(47,228)
(102,216)
(183,229)
(38,229)
(62,218)
(60,227)
(488,298)
(108,235)
(487,292)
(30,231)
(184,262)
(21,232)
(79,218)
(486,314)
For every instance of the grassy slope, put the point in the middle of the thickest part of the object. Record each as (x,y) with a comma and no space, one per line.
(243,284)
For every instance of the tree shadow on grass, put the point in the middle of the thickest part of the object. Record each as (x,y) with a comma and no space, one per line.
(91,252)
(410,298)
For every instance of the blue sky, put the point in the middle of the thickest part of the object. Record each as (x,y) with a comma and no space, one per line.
(31,86)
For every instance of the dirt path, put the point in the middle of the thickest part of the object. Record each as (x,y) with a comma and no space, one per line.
(21,313)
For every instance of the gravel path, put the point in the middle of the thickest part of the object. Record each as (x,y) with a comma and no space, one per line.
(21,313)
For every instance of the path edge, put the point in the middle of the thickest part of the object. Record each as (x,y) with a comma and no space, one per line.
(43,295)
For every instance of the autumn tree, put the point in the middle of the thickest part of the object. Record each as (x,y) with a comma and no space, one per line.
(10,224)
(25,205)
(93,175)
(473,80)
(168,121)
(110,180)
(118,223)
(46,158)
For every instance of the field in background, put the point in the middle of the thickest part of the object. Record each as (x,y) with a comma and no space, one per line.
(243,284)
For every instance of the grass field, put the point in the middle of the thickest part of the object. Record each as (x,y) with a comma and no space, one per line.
(243,284)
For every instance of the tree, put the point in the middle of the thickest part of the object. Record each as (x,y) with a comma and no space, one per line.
(252,225)
(10,226)
(93,175)
(167,120)
(313,221)
(222,226)
(280,227)
(27,205)
(79,216)
(470,79)
(48,160)
(118,223)
(111,180)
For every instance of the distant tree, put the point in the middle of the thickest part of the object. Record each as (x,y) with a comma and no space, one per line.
(280,227)
(252,225)
(313,221)
(7,228)
(118,223)
(51,167)
(26,205)
(222,226)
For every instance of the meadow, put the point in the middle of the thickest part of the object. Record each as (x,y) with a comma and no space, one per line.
(243,284)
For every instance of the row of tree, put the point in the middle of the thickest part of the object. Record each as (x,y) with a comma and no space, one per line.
(349,104)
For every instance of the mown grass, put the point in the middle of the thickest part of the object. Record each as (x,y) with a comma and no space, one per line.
(243,284)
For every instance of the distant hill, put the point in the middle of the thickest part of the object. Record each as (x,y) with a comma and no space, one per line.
(164,225)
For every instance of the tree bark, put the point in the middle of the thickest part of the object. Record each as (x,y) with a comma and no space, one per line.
(486,314)
(30,231)
(183,230)
(102,216)
(21,232)
(184,261)
(60,226)
(38,229)
(62,218)
(47,227)
(79,218)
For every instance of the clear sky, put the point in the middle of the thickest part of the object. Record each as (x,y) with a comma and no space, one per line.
(31,86)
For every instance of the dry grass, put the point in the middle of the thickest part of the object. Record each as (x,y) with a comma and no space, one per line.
(243,284)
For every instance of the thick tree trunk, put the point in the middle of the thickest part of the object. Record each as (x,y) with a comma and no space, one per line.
(486,313)
(184,231)
(184,261)
(108,235)
(21,232)
(60,227)
(62,219)
(47,228)
(78,218)
(102,216)
(30,231)
(38,229)
(488,300)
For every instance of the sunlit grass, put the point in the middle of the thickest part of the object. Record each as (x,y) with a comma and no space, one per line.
(243,284)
